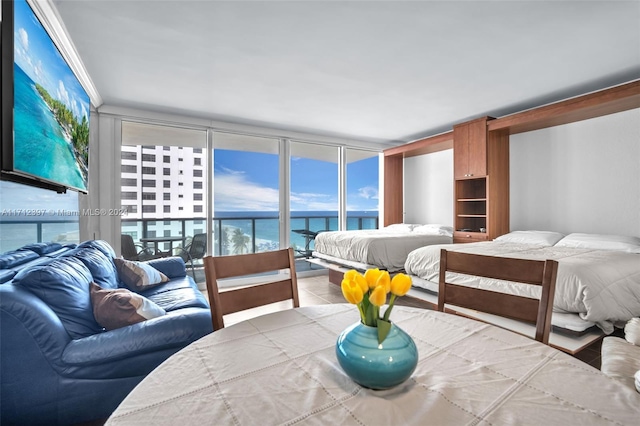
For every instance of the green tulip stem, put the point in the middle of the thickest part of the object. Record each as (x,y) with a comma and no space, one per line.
(388,311)
(361,310)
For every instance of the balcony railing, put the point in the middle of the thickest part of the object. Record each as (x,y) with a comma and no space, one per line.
(241,234)
(15,233)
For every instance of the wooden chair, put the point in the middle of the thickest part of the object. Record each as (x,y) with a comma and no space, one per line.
(240,299)
(533,272)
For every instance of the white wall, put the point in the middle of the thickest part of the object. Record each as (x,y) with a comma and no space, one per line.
(428,188)
(579,177)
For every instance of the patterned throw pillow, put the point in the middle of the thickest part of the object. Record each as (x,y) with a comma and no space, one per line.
(138,276)
(120,307)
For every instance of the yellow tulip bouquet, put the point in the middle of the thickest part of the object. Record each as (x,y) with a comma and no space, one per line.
(369,292)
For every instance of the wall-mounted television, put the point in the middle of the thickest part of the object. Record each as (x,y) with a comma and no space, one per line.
(45,108)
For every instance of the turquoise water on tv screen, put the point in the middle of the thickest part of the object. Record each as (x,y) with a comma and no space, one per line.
(40,145)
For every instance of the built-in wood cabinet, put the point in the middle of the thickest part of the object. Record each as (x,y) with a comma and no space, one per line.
(472,207)
(481,179)
(470,149)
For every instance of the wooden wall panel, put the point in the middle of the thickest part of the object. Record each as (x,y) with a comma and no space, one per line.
(393,189)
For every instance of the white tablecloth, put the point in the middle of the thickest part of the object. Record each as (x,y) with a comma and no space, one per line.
(281,368)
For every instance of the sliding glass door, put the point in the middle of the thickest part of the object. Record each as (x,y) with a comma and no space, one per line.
(313,196)
(246,194)
(362,183)
(163,183)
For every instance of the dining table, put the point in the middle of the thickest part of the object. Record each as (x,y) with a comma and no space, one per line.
(281,369)
(156,241)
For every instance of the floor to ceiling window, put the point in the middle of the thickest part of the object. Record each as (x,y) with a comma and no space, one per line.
(314,187)
(32,215)
(264,192)
(163,183)
(246,194)
(362,182)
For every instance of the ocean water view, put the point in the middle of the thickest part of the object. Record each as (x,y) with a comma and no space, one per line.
(266,226)
(41,147)
(33,229)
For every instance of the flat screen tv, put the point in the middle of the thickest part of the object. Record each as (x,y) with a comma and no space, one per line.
(45,109)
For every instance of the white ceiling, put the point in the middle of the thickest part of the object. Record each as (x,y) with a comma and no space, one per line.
(377,71)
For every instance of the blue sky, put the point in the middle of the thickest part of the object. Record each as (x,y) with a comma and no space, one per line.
(36,54)
(249,181)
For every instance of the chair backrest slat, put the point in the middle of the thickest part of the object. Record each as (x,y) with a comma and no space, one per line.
(532,272)
(264,293)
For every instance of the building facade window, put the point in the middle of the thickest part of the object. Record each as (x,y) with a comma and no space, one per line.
(129,182)
(197,173)
(128,155)
(148,208)
(166,184)
(148,170)
(166,171)
(166,209)
(197,185)
(166,159)
(197,209)
(129,168)
(166,196)
(148,196)
(197,197)
(148,183)
(128,195)
(149,157)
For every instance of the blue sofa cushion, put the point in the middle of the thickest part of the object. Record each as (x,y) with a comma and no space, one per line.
(6,275)
(43,248)
(172,267)
(101,245)
(63,284)
(14,258)
(102,268)
(179,293)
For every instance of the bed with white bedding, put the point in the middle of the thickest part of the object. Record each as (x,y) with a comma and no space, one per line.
(385,248)
(598,276)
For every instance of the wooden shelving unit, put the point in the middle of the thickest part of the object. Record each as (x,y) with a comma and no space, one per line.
(496,216)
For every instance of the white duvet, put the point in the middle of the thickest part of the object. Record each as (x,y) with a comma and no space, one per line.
(602,286)
(385,249)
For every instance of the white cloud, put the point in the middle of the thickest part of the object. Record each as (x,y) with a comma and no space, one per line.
(23,38)
(234,192)
(313,202)
(368,192)
(63,95)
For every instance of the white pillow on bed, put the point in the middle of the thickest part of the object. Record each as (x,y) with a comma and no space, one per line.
(434,229)
(601,242)
(538,238)
(400,227)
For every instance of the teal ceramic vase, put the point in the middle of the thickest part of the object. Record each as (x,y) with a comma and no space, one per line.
(373,365)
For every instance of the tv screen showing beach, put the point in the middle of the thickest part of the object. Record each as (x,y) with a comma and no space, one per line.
(51,108)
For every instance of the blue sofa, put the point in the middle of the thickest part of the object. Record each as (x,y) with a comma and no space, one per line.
(57,364)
